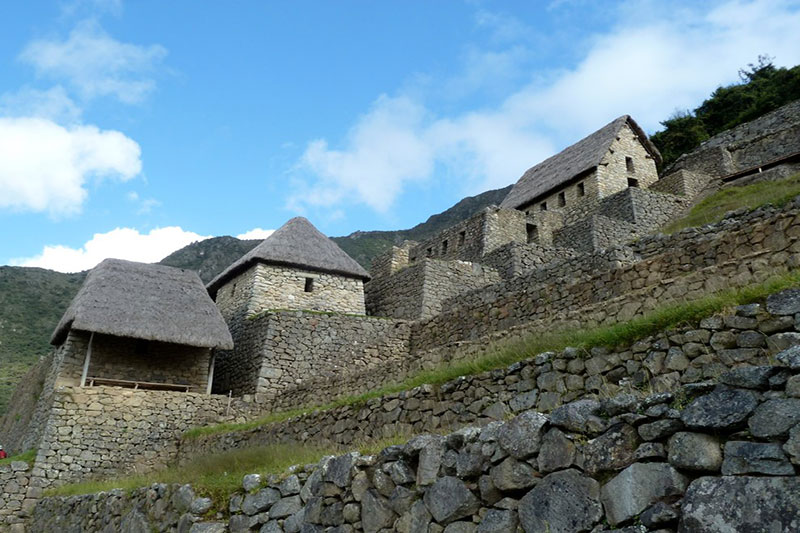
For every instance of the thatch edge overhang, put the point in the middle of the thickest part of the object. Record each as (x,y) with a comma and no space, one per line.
(517,197)
(178,312)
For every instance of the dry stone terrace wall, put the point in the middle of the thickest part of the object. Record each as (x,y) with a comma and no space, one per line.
(419,290)
(476,236)
(101,431)
(712,458)
(514,258)
(686,265)
(661,363)
(305,357)
(748,145)
(15,423)
(18,494)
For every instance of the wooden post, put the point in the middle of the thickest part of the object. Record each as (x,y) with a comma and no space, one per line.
(211,372)
(86,361)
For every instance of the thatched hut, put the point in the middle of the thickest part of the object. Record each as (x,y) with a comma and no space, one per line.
(297,267)
(142,326)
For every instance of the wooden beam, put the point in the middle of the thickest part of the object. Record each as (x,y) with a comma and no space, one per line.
(211,372)
(86,361)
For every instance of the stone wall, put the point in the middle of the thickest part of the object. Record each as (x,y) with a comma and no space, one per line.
(419,290)
(514,258)
(391,261)
(104,431)
(681,183)
(18,493)
(655,463)
(682,266)
(264,287)
(471,239)
(295,358)
(748,145)
(595,232)
(694,353)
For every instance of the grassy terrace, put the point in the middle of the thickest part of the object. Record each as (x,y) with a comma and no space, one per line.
(713,208)
(218,476)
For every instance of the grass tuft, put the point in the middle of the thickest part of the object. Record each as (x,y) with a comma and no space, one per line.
(714,208)
(28,456)
(220,475)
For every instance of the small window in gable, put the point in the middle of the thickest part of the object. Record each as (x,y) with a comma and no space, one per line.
(309,285)
(444,247)
(629,164)
(581,189)
(632,182)
(462,236)
(543,206)
(429,252)
(562,199)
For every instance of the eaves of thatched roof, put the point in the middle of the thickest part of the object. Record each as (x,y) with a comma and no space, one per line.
(145,301)
(296,244)
(571,163)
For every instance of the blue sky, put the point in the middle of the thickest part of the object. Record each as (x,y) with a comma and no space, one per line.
(129,129)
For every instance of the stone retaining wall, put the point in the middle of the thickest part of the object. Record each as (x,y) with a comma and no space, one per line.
(661,363)
(306,358)
(689,264)
(103,431)
(18,493)
(708,458)
(514,258)
(419,290)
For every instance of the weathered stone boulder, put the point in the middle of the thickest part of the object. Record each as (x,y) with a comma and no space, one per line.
(637,487)
(784,303)
(743,457)
(749,377)
(721,409)
(741,504)
(376,513)
(513,475)
(521,437)
(611,451)
(557,452)
(790,357)
(695,451)
(499,521)
(449,499)
(564,502)
(774,418)
(579,416)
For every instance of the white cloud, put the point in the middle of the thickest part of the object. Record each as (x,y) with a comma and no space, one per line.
(658,58)
(256,233)
(54,104)
(119,243)
(45,167)
(96,64)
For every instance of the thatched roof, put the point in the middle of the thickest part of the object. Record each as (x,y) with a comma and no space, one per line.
(572,162)
(296,244)
(145,301)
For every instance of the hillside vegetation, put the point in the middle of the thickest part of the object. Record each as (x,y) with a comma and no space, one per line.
(763,88)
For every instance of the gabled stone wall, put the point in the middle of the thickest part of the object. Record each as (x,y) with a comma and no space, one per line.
(294,358)
(419,290)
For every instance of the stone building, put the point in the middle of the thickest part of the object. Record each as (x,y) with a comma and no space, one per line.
(617,156)
(297,267)
(141,326)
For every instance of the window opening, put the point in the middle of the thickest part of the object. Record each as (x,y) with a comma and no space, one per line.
(444,247)
(533,233)
(581,189)
(543,206)
(309,285)
(632,182)
(629,164)
(562,199)
(429,252)
(461,238)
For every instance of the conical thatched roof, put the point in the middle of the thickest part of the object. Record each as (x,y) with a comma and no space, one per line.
(145,301)
(295,244)
(581,157)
